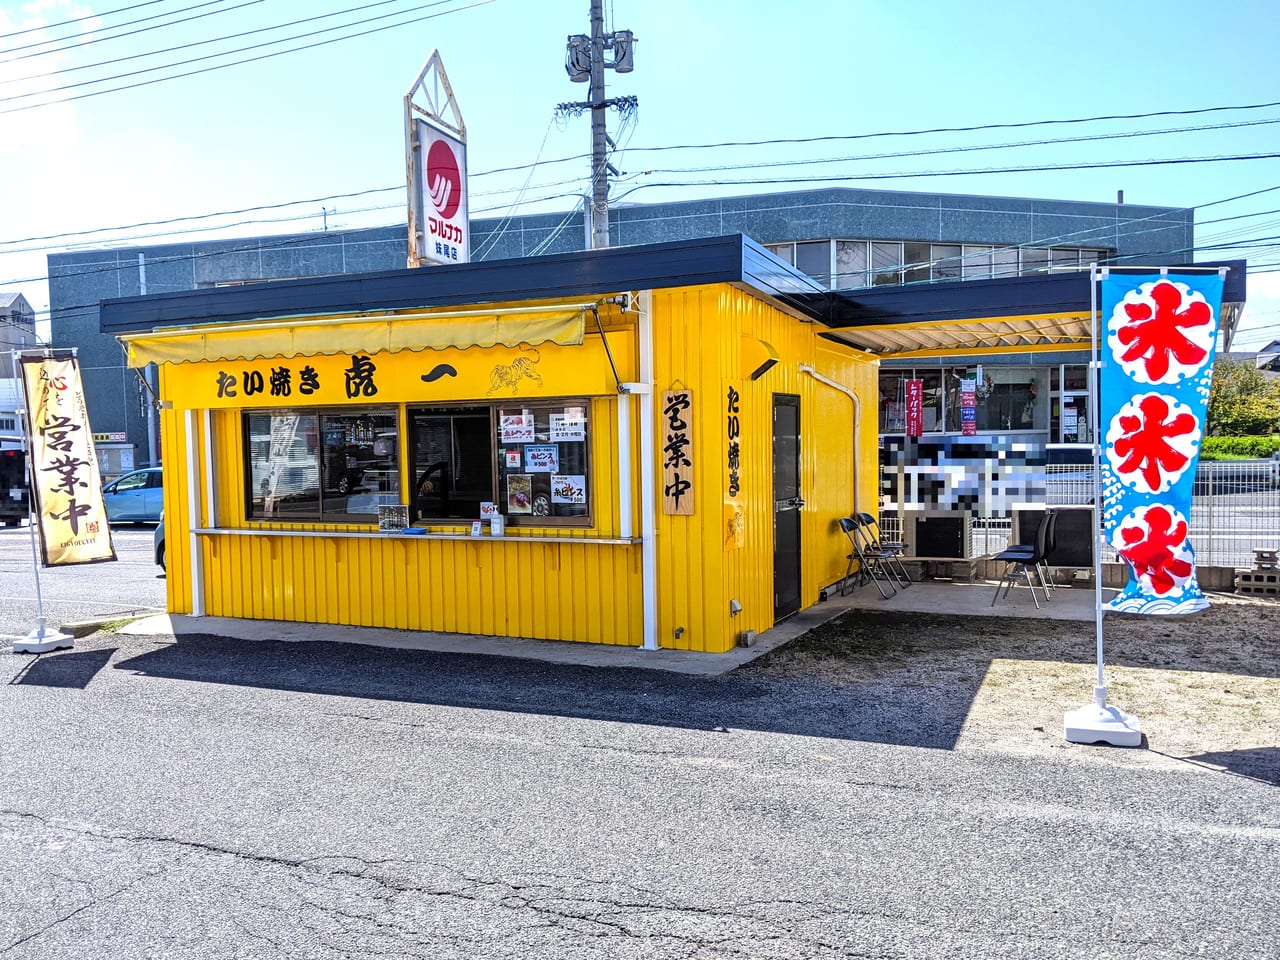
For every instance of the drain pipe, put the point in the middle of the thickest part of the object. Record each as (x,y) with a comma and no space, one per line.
(857,419)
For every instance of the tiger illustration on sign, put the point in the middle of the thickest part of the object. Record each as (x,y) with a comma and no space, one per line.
(509,375)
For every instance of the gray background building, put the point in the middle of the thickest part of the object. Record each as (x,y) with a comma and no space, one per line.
(845,238)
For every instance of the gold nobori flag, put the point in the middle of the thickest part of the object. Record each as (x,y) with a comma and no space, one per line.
(65,482)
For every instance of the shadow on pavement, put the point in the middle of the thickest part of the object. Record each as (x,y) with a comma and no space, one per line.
(912,716)
(1258,763)
(65,669)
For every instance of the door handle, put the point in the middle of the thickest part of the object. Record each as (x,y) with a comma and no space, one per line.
(797,502)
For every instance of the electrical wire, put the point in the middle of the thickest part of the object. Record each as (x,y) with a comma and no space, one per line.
(234,63)
(80,41)
(225,53)
(91,16)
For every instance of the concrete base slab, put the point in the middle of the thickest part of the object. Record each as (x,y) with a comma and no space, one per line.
(42,640)
(1102,724)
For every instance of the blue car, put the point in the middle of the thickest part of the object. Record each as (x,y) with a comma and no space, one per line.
(136,497)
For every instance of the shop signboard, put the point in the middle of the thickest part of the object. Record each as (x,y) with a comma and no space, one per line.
(442,186)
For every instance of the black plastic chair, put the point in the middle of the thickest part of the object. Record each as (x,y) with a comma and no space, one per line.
(1018,559)
(1051,542)
(871,564)
(873,536)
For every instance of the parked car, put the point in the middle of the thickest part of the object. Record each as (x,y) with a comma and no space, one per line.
(136,497)
(158,540)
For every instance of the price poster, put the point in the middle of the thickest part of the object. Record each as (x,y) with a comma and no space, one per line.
(568,488)
(542,458)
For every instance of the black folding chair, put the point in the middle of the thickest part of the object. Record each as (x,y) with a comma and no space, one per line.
(1018,559)
(871,564)
(1051,541)
(873,536)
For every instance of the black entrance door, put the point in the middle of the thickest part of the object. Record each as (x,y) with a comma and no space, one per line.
(786,505)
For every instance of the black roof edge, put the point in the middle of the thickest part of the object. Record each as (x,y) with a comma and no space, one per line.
(728,259)
(976,299)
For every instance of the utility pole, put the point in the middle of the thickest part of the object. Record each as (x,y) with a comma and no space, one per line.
(584,61)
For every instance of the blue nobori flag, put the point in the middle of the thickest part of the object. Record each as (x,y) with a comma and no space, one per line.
(1157,346)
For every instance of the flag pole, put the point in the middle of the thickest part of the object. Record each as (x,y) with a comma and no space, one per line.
(42,639)
(1096,722)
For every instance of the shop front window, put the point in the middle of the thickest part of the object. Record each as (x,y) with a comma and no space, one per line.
(321,466)
(529,461)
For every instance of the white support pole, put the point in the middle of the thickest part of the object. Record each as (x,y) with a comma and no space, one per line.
(1096,722)
(193,518)
(43,638)
(648,484)
(626,467)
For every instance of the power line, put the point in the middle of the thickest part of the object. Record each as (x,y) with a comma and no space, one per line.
(234,63)
(80,42)
(954,173)
(92,16)
(224,53)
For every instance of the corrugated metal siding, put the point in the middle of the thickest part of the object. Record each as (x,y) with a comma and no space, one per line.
(698,333)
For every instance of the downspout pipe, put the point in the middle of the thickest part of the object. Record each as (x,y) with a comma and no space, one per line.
(857,419)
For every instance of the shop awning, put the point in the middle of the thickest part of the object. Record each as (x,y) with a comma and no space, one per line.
(562,324)
(988,335)
(1004,315)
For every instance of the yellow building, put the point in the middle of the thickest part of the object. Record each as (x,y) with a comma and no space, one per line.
(643,446)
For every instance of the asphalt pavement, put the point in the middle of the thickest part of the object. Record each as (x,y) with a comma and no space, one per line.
(214,797)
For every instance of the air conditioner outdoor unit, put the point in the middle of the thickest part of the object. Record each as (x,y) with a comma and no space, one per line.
(938,535)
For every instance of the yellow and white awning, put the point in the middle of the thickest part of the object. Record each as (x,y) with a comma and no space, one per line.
(562,324)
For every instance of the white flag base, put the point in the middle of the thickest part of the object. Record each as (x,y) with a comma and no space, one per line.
(42,640)
(1099,723)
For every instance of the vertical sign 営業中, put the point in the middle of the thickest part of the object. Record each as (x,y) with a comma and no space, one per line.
(64,467)
(676,439)
(1157,348)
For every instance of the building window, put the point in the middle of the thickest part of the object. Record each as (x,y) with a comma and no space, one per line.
(814,258)
(851,264)
(321,466)
(1007,398)
(530,461)
(864,263)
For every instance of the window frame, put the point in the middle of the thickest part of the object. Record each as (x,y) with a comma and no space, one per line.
(320,514)
(496,472)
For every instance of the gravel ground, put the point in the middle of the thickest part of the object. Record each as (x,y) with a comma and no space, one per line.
(1206,688)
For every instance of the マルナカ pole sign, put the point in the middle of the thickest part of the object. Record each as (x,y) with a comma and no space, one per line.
(1158,366)
(65,482)
(436,169)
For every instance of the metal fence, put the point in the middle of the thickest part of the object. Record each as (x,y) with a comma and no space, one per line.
(1235,508)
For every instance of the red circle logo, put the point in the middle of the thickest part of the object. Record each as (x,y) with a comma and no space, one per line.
(444,182)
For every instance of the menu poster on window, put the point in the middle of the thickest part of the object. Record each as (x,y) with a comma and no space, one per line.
(488,510)
(568,488)
(513,459)
(542,458)
(517,427)
(568,426)
(519,493)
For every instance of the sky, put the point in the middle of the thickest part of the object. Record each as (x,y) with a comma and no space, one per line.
(314,138)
